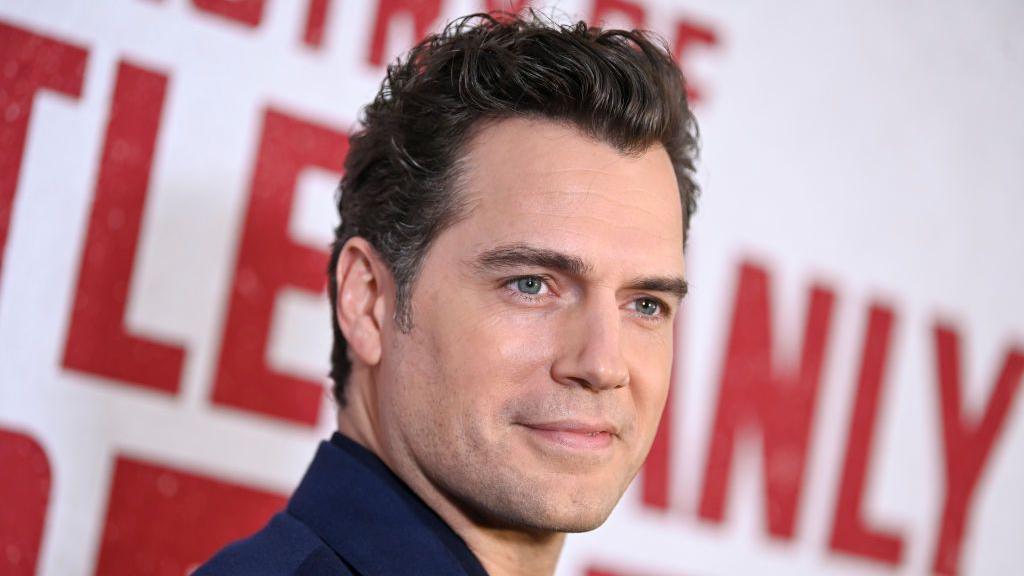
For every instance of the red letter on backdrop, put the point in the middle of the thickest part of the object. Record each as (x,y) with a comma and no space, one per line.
(30,63)
(510,6)
(967,445)
(754,391)
(24,497)
(658,466)
(97,341)
(631,10)
(247,12)
(316,18)
(165,521)
(850,532)
(268,261)
(423,12)
(689,35)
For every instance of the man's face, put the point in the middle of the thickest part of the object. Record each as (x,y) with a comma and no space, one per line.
(530,386)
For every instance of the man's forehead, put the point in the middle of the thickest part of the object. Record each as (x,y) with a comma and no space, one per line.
(524,178)
(551,147)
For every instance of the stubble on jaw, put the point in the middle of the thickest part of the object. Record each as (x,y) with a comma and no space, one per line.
(462,463)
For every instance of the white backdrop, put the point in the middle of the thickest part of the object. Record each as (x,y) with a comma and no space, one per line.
(166,174)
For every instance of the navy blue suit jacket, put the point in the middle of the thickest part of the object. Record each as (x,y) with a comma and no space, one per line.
(349,515)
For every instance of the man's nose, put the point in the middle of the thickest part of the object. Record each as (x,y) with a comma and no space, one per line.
(590,354)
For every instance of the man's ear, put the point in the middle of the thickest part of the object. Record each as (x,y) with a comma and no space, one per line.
(363,283)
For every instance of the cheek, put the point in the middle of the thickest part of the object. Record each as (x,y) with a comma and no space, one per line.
(467,365)
(650,359)
(491,347)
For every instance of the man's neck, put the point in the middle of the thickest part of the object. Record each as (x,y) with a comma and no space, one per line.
(502,552)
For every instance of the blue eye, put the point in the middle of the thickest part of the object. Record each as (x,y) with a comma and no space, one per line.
(648,306)
(531,285)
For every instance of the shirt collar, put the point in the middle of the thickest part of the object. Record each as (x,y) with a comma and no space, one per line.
(372,519)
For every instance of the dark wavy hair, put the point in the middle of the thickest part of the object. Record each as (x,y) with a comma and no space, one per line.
(620,87)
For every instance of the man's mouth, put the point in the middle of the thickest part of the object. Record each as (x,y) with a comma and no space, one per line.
(575,434)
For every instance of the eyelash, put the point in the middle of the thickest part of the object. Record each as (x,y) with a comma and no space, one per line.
(509,284)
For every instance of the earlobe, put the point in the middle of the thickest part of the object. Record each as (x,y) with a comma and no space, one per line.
(360,298)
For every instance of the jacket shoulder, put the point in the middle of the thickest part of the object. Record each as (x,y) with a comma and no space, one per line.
(284,547)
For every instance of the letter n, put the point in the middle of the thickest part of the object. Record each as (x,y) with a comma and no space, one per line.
(757,393)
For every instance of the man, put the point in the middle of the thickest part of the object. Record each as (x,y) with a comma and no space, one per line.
(503,282)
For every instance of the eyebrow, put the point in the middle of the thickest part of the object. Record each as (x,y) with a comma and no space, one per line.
(667,284)
(518,255)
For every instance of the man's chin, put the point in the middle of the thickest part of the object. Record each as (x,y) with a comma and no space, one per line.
(578,525)
(574,519)
(572,500)
(543,510)
(578,512)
